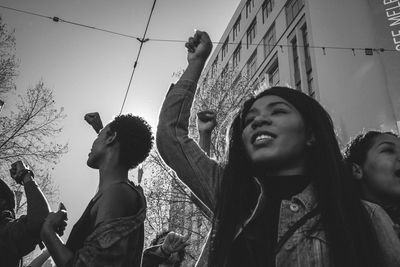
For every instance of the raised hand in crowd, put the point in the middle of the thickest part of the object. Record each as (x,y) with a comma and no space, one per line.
(199,48)
(174,242)
(20,172)
(56,221)
(206,121)
(19,237)
(94,119)
(168,249)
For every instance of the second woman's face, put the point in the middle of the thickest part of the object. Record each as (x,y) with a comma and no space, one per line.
(381,170)
(274,136)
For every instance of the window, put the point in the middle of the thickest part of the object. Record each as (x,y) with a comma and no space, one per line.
(249,7)
(224,71)
(292,8)
(267,7)
(270,75)
(236,28)
(273,74)
(296,68)
(251,33)
(307,60)
(236,56)
(224,50)
(269,40)
(214,67)
(252,65)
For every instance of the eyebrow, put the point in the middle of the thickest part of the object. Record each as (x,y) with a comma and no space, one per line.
(270,105)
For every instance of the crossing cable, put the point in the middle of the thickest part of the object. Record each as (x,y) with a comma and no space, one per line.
(142,41)
(58,19)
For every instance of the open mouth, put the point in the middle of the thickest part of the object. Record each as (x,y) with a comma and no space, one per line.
(397,173)
(262,137)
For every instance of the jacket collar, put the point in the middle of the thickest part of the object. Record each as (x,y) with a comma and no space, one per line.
(306,198)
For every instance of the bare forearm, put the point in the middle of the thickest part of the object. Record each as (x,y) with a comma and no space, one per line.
(38,208)
(58,251)
(205,142)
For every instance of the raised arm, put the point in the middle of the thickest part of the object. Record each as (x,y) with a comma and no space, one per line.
(206,122)
(24,233)
(94,119)
(201,174)
(37,206)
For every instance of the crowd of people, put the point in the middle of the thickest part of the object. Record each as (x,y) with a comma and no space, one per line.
(285,196)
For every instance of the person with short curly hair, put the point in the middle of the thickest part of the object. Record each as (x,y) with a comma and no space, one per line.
(134,133)
(374,160)
(111,230)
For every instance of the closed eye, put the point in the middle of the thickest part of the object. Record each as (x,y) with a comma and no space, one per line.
(388,150)
(279,111)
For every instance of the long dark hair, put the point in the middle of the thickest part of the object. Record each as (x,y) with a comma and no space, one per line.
(352,240)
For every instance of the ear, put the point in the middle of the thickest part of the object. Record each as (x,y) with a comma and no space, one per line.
(311,139)
(111,138)
(357,171)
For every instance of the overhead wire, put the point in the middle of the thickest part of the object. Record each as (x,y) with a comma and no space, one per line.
(142,41)
(368,50)
(58,19)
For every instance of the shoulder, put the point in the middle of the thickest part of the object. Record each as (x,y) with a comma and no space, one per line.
(376,212)
(119,200)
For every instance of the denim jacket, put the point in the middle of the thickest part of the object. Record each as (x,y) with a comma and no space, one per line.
(306,247)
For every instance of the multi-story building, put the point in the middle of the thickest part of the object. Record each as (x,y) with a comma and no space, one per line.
(318,47)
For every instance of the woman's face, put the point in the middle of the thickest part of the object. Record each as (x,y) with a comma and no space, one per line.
(381,170)
(274,136)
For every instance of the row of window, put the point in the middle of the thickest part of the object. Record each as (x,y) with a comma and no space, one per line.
(292,8)
(267,7)
(302,77)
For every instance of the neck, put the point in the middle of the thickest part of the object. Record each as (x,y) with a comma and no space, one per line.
(299,170)
(111,172)
(286,169)
(381,201)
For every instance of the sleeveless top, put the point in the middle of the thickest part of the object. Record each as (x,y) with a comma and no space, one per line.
(85,225)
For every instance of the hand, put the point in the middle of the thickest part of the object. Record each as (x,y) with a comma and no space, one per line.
(60,230)
(174,242)
(206,121)
(18,171)
(199,47)
(55,222)
(94,119)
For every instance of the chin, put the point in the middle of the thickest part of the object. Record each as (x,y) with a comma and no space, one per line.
(91,164)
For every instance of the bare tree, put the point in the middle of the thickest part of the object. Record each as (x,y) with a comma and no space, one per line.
(28,133)
(224,95)
(170,207)
(8,61)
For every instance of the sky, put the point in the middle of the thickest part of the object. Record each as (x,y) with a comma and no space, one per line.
(89,70)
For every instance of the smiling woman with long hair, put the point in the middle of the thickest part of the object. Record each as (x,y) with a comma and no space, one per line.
(284,197)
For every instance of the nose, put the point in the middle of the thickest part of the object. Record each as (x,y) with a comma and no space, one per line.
(260,121)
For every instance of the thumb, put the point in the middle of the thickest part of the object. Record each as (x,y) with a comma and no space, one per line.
(61,206)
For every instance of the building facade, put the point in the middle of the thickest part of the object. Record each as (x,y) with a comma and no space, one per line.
(343,53)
